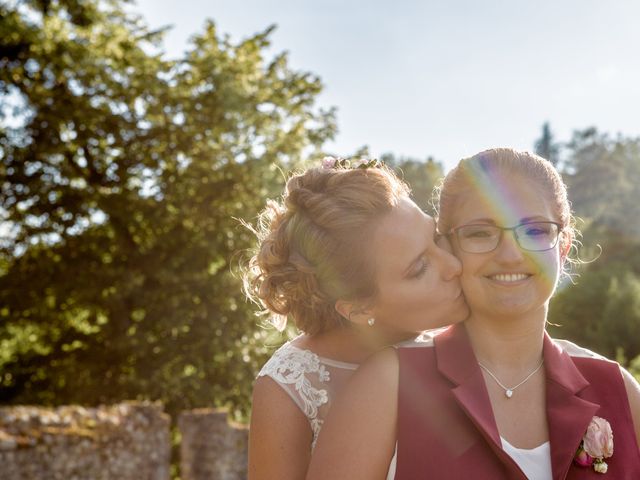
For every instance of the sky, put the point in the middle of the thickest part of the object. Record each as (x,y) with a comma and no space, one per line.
(444,78)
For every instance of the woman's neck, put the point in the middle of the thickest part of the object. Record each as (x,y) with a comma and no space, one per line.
(509,345)
(352,344)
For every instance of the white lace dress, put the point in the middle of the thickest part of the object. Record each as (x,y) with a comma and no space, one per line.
(310,380)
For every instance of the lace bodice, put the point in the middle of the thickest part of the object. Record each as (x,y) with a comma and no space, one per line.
(310,380)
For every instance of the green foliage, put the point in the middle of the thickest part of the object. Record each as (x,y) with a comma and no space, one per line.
(546,145)
(634,368)
(122,176)
(422,176)
(603,177)
(602,311)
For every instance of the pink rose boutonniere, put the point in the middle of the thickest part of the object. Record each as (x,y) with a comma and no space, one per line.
(596,445)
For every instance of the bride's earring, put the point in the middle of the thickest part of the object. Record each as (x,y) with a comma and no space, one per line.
(371,321)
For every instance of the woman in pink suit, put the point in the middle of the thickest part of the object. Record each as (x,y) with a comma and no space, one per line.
(494,397)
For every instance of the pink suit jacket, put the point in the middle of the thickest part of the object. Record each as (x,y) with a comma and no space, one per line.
(446,427)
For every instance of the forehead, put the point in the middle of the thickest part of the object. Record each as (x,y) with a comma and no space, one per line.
(505,199)
(401,235)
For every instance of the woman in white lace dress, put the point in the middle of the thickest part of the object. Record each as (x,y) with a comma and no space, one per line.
(350,258)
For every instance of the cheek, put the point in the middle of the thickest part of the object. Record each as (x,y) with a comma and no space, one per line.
(470,264)
(407,297)
(549,264)
(552,274)
(430,291)
(470,287)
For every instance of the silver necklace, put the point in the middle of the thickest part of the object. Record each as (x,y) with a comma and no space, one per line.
(508,391)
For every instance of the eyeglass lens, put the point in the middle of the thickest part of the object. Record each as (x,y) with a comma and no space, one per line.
(535,236)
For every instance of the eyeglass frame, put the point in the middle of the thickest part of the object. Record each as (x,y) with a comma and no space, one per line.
(454,232)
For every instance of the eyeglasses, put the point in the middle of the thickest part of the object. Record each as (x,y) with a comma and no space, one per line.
(531,236)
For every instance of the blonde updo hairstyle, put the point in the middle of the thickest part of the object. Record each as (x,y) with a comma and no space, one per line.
(314,244)
(505,161)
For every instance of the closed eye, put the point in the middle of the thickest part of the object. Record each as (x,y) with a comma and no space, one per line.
(420,269)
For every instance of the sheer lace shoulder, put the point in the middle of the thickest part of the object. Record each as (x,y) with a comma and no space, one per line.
(310,380)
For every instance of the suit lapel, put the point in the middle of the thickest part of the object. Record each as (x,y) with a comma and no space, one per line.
(568,415)
(457,362)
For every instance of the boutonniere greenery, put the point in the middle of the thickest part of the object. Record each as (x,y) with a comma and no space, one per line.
(596,445)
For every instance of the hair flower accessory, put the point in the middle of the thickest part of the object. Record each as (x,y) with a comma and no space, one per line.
(596,445)
(329,162)
(347,164)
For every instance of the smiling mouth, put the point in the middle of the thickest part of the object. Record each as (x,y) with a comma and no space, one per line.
(509,277)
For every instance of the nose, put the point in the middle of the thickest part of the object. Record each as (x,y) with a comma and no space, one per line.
(451,266)
(508,249)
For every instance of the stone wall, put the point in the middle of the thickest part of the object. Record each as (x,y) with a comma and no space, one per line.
(125,442)
(211,448)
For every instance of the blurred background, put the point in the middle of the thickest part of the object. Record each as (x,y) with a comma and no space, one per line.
(130,150)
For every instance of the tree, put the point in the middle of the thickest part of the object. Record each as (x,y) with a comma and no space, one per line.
(422,176)
(123,176)
(603,178)
(634,368)
(546,146)
(601,311)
